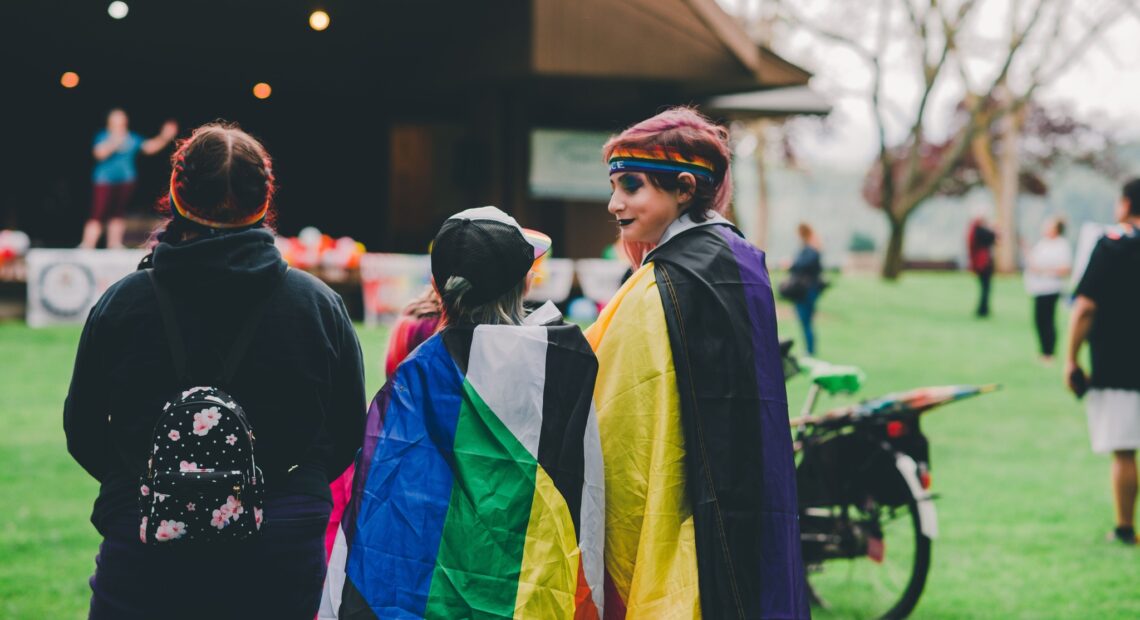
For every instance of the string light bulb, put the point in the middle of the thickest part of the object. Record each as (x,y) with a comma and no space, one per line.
(319,20)
(118,9)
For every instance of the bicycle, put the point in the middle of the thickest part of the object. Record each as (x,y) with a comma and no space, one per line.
(863,474)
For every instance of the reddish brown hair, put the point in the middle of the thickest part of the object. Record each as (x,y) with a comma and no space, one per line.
(222,174)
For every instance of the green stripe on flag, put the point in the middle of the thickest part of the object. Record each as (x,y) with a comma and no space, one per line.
(481,551)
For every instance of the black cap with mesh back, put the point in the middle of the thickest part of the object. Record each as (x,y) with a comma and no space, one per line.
(486,247)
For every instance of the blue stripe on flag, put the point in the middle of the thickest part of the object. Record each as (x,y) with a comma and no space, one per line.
(401,518)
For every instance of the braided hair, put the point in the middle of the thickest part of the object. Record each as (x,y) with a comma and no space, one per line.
(219,174)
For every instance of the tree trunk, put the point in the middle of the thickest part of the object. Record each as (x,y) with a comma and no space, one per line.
(1005,196)
(893,262)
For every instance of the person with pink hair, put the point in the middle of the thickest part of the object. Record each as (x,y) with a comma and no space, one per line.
(417,322)
(701,510)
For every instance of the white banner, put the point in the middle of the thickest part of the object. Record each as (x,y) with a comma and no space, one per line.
(64,284)
(600,278)
(390,281)
(553,281)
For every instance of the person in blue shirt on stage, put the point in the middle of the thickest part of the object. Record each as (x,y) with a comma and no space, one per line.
(115,150)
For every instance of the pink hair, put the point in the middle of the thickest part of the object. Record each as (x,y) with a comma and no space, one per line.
(417,322)
(692,133)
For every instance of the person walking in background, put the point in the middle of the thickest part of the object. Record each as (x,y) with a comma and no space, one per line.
(216,279)
(980,241)
(701,511)
(417,322)
(115,150)
(1046,268)
(1106,312)
(807,272)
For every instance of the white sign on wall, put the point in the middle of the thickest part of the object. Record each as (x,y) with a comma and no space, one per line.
(568,164)
(64,284)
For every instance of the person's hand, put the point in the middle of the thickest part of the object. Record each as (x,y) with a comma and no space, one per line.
(1074,377)
(169,129)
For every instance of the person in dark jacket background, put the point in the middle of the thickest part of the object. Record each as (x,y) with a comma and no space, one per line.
(300,382)
(980,241)
(808,268)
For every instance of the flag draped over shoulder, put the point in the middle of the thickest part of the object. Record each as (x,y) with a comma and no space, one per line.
(701,509)
(479,489)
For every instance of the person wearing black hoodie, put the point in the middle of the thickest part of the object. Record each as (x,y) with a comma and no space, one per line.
(300,383)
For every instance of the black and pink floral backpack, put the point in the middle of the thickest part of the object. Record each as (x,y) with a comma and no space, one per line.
(201,483)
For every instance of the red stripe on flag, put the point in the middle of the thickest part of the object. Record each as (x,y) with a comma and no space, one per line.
(584,608)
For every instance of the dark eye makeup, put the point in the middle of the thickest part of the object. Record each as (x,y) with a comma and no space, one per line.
(630,183)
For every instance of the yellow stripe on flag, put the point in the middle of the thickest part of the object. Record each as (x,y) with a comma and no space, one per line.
(549,574)
(650,545)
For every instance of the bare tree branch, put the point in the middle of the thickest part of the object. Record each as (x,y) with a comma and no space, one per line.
(794,18)
(1091,35)
(885,159)
(930,73)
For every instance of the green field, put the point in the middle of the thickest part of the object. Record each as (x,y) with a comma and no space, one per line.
(1023,509)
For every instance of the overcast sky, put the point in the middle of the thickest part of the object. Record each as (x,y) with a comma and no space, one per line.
(1103,86)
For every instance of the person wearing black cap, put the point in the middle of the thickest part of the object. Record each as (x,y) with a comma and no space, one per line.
(479,486)
(300,383)
(480,263)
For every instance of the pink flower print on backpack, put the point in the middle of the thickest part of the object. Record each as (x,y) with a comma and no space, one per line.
(206,419)
(187,466)
(226,512)
(169,530)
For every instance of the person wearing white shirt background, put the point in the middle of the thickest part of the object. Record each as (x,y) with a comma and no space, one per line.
(1046,267)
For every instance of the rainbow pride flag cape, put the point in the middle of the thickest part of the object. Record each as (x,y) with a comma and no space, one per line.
(479,488)
(701,508)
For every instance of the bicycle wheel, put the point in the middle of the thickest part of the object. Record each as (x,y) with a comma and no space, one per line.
(861,587)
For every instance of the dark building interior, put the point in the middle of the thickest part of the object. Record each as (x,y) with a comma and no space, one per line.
(397,115)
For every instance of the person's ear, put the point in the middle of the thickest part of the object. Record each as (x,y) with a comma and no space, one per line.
(687,189)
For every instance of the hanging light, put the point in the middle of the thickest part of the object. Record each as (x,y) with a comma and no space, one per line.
(261,90)
(118,9)
(69,79)
(319,20)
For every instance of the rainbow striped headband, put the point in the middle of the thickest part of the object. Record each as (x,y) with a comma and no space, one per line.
(659,159)
(181,211)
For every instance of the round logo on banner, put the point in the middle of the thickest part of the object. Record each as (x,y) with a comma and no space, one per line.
(66,289)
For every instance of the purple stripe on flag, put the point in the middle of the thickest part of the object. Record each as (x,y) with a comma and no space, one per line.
(407,487)
(372,426)
(783,594)
(761,315)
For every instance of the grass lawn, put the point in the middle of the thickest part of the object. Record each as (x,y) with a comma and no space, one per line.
(1024,504)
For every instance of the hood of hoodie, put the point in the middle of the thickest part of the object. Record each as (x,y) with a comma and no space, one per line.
(235,264)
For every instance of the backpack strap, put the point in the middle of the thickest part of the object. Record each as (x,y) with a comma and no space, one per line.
(248,328)
(240,345)
(173,337)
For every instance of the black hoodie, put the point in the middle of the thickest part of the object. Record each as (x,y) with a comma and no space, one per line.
(301,381)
